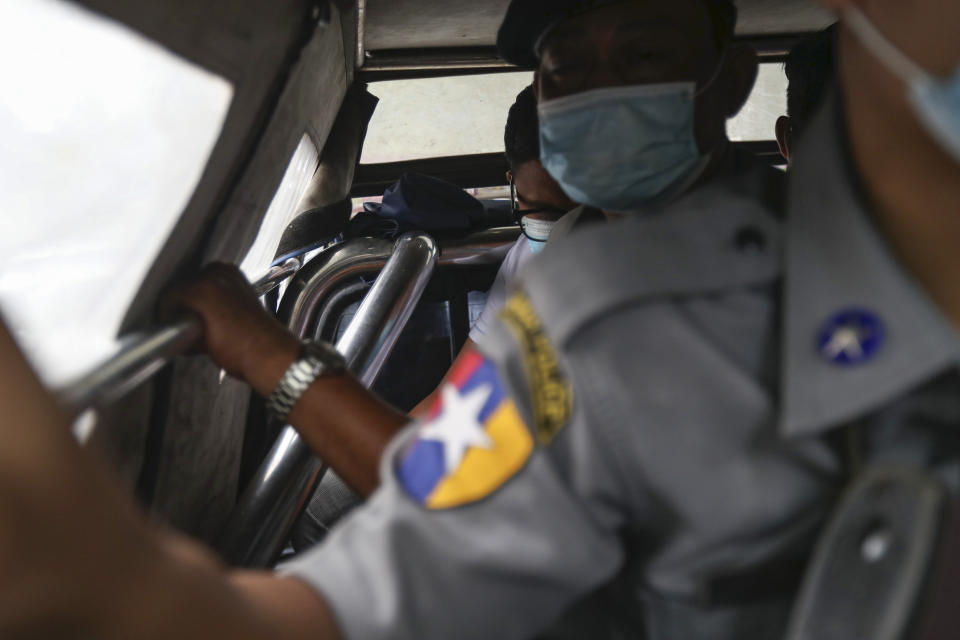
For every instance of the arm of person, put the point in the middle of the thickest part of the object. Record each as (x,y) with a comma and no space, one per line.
(78,558)
(518,255)
(345,424)
(340,420)
(479,529)
(422,409)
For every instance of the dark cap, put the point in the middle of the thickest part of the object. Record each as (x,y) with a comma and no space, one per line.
(528,20)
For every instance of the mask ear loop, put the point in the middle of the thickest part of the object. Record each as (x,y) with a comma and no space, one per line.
(515,207)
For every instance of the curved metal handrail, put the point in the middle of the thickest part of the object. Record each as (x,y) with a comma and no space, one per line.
(308,292)
(484,248)
(282,486)
(142,354)
(275,496)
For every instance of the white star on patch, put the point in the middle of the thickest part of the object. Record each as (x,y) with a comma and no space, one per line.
(845,340)
(458,427)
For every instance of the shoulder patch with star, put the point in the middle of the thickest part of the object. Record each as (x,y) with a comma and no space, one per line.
(474,441)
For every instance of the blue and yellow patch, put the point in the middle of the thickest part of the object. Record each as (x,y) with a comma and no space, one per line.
(473,443)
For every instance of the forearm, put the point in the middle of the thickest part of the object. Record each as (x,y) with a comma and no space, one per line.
(186,593)
(32,428)
(202,603)
(348,426)
(78,559)
(423,408)
(343,423)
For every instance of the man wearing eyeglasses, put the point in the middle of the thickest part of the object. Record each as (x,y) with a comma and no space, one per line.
(538,202)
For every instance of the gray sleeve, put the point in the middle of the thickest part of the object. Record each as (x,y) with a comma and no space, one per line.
(502,566)
(497,296)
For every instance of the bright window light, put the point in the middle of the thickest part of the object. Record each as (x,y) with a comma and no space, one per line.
(437,117)
(758,118)
(284,207)
(103,138)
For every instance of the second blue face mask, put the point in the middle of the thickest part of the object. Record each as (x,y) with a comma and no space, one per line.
(621,148)
(935,101)
(537,232)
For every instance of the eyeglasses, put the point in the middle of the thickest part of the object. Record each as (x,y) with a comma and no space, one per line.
(518,214)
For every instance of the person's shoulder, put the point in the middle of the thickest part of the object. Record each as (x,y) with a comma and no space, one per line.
(712,240)
(518,255)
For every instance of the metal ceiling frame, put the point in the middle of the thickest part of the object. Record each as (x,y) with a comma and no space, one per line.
(404,64)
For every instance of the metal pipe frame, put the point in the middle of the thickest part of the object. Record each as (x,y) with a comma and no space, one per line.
(141,355)
(286,480)
(278,492)
(308,293)
(361,33)
(443,59)
(400,64)
(484,248)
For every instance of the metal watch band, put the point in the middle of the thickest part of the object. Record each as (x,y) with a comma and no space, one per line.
(315,359)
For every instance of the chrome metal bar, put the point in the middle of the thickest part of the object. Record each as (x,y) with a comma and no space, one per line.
(334,307)
(142,354)
(387,307)
(285,481)
(276,276)
(276,495)
(361,33)
(435,60)
(309,290)
(487,247)
(308,293)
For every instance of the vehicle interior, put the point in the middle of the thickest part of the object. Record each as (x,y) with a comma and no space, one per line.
(162,135)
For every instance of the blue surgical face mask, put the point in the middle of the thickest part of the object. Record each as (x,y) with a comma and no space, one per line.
(935,101)
(537,232)
(622,148)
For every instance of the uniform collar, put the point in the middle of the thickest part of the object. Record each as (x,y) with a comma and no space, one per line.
(836,259)
(574,219)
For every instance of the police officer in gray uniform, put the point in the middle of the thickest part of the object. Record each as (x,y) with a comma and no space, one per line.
(633,427)
(604,399)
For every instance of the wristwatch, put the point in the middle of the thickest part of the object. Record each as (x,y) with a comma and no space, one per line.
(315,359)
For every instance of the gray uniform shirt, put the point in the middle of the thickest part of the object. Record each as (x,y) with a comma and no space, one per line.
(660,483)
(688,473)
(901,406)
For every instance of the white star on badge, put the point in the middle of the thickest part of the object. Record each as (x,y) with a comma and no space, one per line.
(458,427)
(845,340)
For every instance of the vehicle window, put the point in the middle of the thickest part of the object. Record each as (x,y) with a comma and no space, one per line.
(757,119)
(284,207)
(437,117)
(103,138)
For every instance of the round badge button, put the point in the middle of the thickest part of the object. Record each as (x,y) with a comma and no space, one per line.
(851,337)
